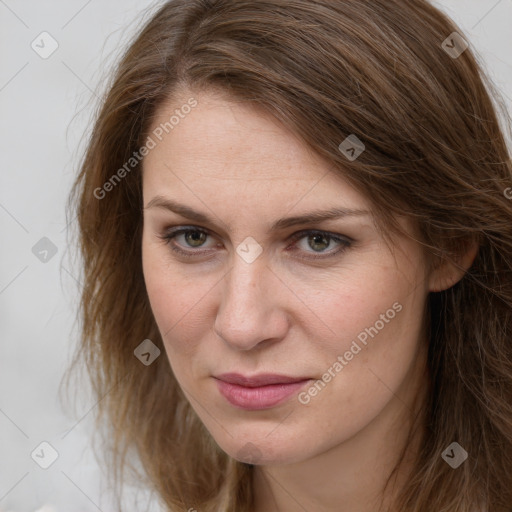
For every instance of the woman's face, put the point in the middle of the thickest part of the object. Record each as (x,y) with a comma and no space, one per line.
(248,288)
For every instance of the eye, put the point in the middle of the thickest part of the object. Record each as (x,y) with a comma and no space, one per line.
(319,241)
(194,238)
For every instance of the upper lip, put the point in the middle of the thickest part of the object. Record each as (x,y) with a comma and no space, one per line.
(263,379)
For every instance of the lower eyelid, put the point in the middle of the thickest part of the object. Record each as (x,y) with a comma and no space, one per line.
(343,243)
(170,236)
(339,241)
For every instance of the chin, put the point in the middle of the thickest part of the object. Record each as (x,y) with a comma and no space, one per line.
(264,452)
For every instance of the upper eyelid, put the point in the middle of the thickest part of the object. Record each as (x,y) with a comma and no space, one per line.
(344,243)
(297,235)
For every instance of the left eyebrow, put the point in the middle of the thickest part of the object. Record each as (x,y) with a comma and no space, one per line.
(286,222)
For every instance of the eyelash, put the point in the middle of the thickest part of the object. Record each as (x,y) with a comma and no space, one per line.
(169,236)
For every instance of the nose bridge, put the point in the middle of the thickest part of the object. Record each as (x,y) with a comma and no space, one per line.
(246,305)
(243,296)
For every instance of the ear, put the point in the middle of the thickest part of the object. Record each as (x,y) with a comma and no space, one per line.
(451,270)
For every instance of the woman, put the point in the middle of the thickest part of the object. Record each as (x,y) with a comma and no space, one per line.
(297,245)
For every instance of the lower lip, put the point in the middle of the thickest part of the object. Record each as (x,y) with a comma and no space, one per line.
(263,397)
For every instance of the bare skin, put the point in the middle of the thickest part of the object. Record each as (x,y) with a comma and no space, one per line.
(293,310)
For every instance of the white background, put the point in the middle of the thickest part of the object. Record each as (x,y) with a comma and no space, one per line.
(45,107)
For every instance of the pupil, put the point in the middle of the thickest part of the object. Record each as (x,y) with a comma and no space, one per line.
(195,236)
(323,238)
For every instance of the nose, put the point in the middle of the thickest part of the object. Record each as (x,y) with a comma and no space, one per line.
(251,309)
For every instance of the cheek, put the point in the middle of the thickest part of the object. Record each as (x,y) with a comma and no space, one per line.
(176,301)
(362,305)
(375,328)
(379,325)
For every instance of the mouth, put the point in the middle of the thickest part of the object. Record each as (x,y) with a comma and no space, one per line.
(260,391)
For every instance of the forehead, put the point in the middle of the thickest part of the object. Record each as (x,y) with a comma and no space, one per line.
(234,148)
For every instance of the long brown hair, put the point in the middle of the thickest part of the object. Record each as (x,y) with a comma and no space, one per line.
(387,72)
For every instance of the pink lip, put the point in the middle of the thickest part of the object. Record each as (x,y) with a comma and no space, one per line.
(258,392)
